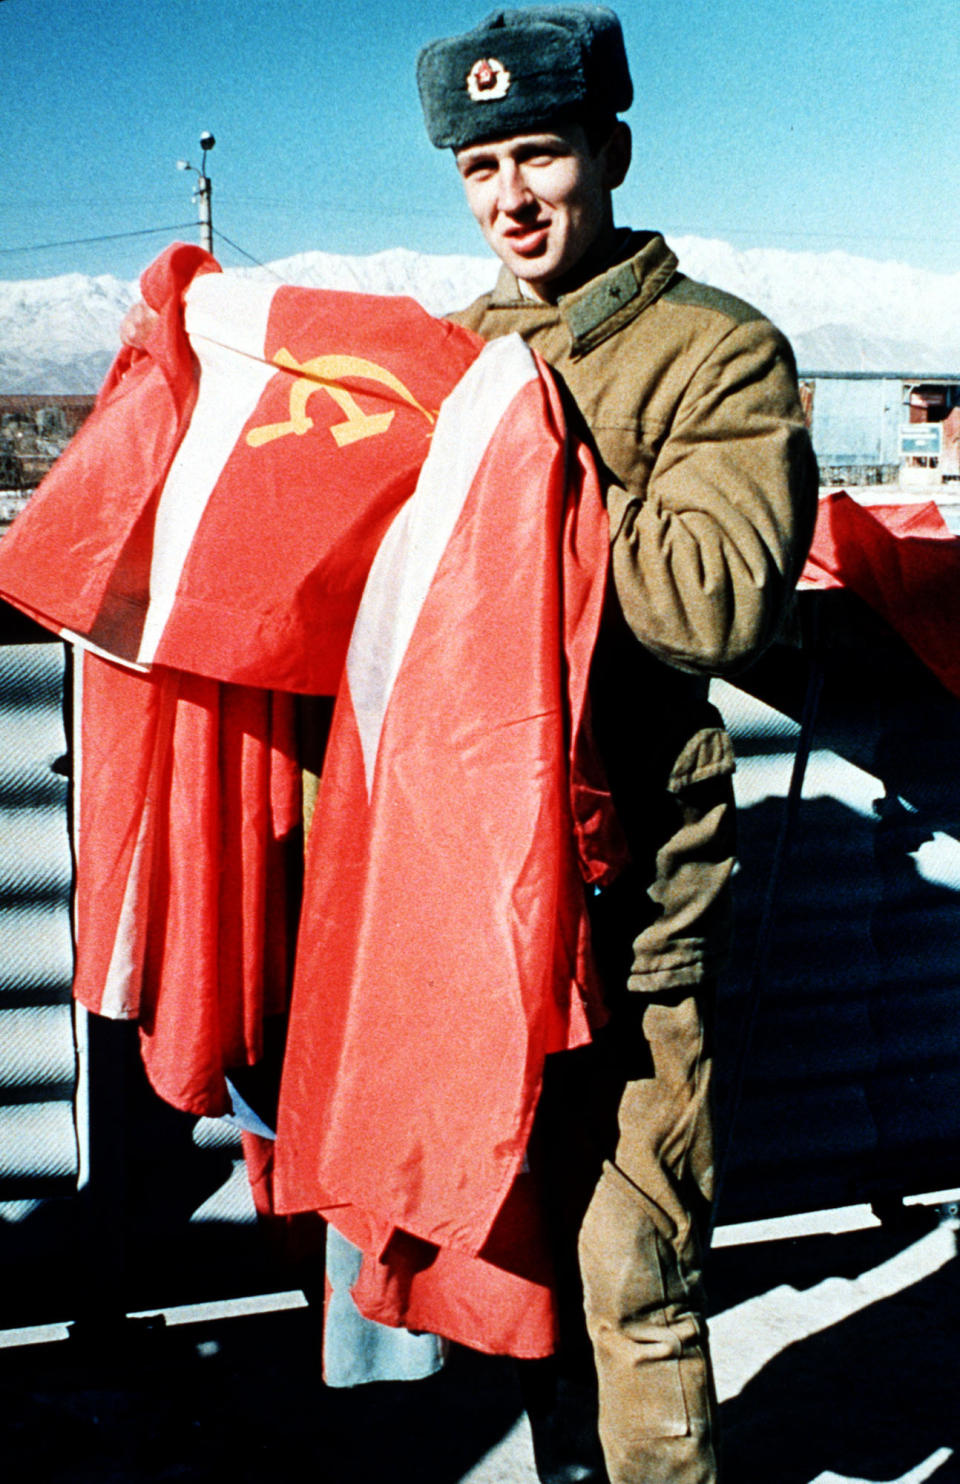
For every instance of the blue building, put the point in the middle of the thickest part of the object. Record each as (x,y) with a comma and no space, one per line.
(892,427)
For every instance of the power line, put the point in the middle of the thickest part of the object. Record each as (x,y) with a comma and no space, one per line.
(242,250)
(107,237)
(59,199)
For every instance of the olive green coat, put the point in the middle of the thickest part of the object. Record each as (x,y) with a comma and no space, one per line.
(691,403)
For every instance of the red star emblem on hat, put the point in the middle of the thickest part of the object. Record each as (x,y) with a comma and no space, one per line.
(487,79)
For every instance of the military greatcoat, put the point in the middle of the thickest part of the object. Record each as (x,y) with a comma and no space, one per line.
(689,397)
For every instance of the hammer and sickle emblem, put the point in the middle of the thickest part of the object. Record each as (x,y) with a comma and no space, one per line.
(325,374)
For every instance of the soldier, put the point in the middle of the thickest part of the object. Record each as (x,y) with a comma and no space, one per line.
(689,398)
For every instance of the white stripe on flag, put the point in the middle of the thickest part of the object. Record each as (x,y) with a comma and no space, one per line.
(121,988)
(80,641)
(232,379)
(413,546)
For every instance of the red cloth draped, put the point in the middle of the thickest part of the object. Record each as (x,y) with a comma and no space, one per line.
(220,532)
(902,560)
(225,526)
(188,845)
(442,947)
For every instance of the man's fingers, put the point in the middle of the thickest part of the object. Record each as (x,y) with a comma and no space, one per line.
(137,325)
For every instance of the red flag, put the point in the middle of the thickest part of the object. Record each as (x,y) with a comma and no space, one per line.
(905,562)
(188,847)
(219,526)
(444,943)
(231,537)
(440,955)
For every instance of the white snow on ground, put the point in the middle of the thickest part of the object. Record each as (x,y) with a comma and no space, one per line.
(511,1462)
(925,1470)
(747,1337)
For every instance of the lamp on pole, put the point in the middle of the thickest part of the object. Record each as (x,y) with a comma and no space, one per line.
(204,191)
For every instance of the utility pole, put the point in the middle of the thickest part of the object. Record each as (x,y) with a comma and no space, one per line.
(204,191)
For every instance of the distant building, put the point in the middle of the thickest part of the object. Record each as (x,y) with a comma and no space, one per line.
(34,431)
(884,427)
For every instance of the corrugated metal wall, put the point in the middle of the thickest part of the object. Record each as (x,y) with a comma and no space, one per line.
(38,1145)
(856,420)
(109,1200)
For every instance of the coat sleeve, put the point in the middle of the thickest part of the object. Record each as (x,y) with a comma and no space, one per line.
(705,558)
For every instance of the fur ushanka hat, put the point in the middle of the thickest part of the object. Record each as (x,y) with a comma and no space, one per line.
(520,70)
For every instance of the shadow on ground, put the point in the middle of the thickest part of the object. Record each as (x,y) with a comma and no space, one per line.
(870,1398)
(239,1400)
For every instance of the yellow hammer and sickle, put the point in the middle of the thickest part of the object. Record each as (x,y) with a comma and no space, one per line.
(324,374)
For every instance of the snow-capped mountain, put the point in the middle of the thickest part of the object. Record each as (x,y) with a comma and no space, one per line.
(841,312)
(60,334)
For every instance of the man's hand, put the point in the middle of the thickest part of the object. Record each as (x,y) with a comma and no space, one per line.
(137,325)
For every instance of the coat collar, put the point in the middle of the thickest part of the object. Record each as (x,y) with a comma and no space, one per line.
(608,301)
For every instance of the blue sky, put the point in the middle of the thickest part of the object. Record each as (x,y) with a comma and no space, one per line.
(768,123)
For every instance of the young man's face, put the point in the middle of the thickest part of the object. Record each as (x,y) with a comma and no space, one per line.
(541,200)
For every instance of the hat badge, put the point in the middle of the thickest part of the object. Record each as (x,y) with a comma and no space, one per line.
(487,80)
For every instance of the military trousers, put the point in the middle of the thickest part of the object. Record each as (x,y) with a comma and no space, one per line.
(625,1140)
